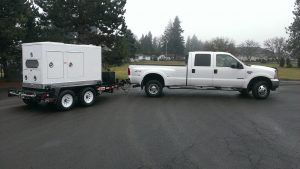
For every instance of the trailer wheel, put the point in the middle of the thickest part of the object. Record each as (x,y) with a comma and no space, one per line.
(30,102)
(153,88)
(66,100)
(87,96)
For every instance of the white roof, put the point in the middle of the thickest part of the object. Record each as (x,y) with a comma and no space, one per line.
(56,43)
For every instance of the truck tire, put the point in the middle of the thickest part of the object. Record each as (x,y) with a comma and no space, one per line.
(87,96)
(261,90)
(30,102)
(66,100)
(153,88)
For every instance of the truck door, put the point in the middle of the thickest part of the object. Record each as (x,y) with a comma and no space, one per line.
(55,62)
(200,72)
(228,72)
(74,64)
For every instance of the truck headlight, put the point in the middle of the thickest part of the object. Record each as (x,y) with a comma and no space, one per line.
(276,74)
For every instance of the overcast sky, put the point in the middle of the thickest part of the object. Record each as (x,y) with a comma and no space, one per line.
(236,19)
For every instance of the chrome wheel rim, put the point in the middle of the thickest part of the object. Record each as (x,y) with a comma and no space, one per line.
(262,90)
(88,97)
(153,89)
(67,100)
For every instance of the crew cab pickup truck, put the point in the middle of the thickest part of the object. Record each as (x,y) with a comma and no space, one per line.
(206,70)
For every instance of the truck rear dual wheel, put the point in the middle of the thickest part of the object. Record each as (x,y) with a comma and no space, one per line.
(261,90)
(153,88)
(87,96)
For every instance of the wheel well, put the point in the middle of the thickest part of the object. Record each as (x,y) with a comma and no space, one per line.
(75,89)
(153,76)
(260,78)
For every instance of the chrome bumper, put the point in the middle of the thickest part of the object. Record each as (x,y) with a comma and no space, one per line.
(20,94)
(275,84)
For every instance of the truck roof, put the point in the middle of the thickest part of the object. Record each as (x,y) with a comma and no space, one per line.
(210,52)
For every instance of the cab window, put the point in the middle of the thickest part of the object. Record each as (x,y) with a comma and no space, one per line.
(223,60)
(202,60)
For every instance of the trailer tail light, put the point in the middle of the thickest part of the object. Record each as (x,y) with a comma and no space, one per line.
(128,71)
(44,95)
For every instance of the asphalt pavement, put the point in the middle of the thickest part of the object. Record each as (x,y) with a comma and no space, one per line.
(184,129)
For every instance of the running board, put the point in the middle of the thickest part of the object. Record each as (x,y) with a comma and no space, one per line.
(204,88)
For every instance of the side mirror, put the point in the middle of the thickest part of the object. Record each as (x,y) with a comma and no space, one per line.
(233,66)
(240,66)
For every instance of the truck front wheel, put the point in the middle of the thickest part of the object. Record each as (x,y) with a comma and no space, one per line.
(66,100)
(261,90)
(153,88)
(87,96)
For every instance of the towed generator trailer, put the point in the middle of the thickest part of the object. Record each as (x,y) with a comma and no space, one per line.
(63,74)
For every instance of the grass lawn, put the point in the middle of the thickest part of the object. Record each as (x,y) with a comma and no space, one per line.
(284,73)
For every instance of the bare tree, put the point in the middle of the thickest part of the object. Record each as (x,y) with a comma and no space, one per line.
(220,44)
(249,49)
(277,47)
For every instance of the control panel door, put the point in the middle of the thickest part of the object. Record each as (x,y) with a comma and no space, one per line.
(74,64)
(55,65)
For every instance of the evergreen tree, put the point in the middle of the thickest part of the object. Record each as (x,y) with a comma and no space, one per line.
(17,26)
(98,22)
(125,48)
(188,45)
(174,41)
(195,44)
(294,33)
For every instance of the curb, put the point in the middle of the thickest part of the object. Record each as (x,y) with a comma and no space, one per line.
(288,82)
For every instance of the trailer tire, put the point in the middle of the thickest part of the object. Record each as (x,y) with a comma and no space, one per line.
(30,102)
(87,96)
(153,88)
(66,100)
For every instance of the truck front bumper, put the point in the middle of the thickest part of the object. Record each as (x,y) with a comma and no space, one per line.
(275,84)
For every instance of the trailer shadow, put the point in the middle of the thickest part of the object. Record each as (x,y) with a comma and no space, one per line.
(44,108)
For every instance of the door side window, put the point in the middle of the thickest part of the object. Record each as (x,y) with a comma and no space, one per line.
(202,60)
(226,61)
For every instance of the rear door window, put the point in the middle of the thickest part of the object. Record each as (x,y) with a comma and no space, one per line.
(32,63)
(202,60)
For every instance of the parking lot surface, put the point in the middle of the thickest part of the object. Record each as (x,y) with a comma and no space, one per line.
(184,129)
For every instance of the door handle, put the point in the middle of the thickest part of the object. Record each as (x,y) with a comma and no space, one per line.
(215,71)
(193,70)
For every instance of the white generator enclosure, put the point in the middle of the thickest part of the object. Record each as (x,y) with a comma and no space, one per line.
(49,64)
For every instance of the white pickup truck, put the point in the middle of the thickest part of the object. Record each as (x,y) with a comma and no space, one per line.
(206,70)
